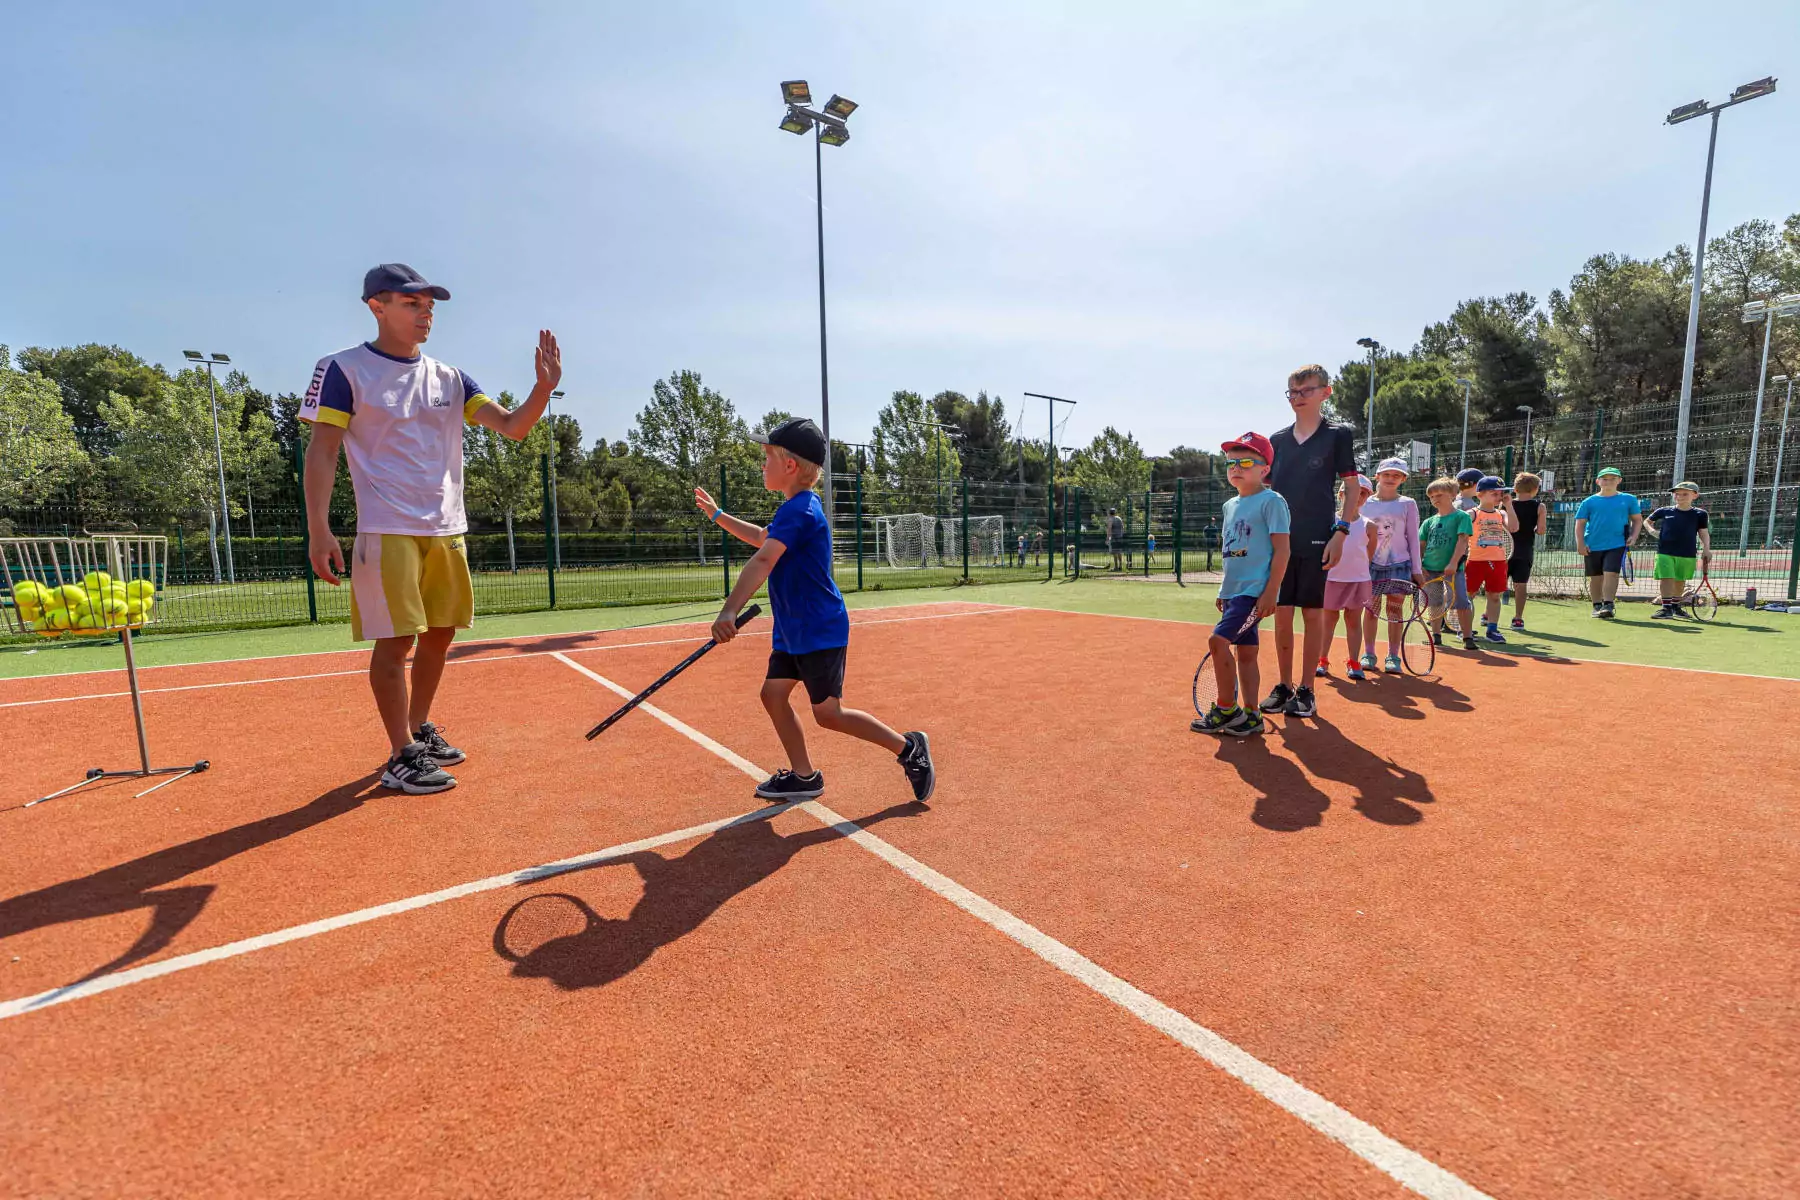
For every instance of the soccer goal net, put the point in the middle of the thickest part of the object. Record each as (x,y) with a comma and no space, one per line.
(907,539)
(986,537)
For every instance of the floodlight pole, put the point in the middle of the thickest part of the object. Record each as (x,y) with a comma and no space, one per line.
(1463,458)
(824,372)
(1762,377)
(1780,446)
(1369,439)
(1050,403)
(219,451)
(1527,410)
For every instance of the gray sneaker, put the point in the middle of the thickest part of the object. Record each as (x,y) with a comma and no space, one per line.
(443,752)
(416,773)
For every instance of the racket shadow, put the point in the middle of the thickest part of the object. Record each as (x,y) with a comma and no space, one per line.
(680,894)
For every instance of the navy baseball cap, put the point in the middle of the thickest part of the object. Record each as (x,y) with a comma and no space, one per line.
(1469,475)
(1491,483)
(398,277)
(799,437)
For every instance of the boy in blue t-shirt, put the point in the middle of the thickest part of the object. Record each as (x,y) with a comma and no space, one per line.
(1255,550)
(812,627)
(1606,528)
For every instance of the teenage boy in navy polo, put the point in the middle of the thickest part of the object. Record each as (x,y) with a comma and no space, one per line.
(812,627)
(398,416)
(1311,455)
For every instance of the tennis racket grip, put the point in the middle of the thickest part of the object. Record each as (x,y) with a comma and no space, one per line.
(750,613)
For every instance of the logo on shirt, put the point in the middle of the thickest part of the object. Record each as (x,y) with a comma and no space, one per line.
(313,388)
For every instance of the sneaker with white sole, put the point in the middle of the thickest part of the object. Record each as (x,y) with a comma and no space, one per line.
(416,773)
(442,752)
(785,787)
(1391,665)
(915,760)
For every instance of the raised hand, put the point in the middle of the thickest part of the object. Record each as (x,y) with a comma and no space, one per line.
(549,360)
(704,502)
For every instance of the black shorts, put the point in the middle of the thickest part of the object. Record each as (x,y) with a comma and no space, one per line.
(1518,568)
(1304,584)
(822,671)
(1604,562)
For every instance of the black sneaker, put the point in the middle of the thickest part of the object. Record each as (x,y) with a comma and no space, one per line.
(1249,723)
(1302,704)
(1277,699)
(785,787)
(916,761)
(1606,610)
(443,752)
(1665,613)
(1217,720)
(416,773)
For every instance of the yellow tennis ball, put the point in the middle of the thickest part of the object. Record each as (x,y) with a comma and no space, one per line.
(26,591)
(139,589)
(96,581)
(149,602)
(29,612)
(115,608)
(72,595)
(58,619)
(118,590)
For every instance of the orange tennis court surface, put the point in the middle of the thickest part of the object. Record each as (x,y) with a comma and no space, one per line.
(1528,929)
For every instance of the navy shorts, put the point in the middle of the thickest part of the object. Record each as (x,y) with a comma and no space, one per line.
(822,671)
(1234,623)
(1604,562)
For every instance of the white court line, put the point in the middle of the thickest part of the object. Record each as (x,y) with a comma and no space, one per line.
(491,658)
(683,620)
(1358,1136)
(199,958)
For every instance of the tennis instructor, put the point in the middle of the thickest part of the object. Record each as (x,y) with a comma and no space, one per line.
(399,417)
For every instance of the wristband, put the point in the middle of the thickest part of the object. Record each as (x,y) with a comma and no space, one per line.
(715,517)
(1340,527)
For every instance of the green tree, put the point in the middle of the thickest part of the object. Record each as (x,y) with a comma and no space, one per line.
(503,477)
(39,449)
(1111,468)
(1415,395)
(984,439)
(1619,331)
(684,436)
(910,448)
(87,377)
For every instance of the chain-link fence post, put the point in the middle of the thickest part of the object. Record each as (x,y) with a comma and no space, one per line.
(549,528)
(859,540)
(312,597)
(1176,532)
(725,538)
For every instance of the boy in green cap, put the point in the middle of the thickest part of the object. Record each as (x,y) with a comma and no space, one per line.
(1680,532)
(1606,528)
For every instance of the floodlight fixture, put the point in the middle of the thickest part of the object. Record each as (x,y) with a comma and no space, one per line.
(1368,343)
(1755,310)
(1686,112)
(193,355)
(795,122)
(795,91)
(833,135)
(1778,379)
(221,358)
(1753,89)
(839,107)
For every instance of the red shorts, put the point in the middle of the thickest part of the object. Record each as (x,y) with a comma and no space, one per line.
(1490,574)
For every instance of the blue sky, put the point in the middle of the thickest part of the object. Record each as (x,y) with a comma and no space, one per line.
(1156,209)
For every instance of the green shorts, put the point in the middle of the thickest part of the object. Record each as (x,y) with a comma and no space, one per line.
(1670,567)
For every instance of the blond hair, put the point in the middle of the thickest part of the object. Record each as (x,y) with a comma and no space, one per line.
(1527,483)
(1442,484)
(805,473)
(1310,371)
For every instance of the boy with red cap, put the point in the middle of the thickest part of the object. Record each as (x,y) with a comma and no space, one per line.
(1254,540)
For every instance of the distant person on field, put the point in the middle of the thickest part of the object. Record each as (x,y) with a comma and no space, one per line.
(1255,552)
(1037,548)
(1149,549)
(811,640)
(1494,522)
(1115,538)
(1396,561)
(1607,525)
(1444,547)
(1021,548)
(1311,455)
(398,416)
(1532,514)
(1347,586)
(1680,532)
(1466,479)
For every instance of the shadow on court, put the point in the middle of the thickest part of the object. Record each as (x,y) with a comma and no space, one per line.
(578,948)
(1403,696)
(141,883)
(1287,798)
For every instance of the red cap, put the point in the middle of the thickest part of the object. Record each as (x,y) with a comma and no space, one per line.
(1255,443)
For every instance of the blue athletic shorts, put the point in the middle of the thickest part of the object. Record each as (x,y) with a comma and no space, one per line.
(1234,623)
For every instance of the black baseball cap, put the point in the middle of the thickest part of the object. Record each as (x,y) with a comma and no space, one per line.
(398,277)
(1470,475)
(799,437)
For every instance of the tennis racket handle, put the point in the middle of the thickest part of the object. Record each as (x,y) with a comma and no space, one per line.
(749,614)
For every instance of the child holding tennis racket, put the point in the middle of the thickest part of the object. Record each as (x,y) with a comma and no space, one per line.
(1682,538)
(1395,567)
(1444,542)
(1490,548)
(812,626)
(1254,527)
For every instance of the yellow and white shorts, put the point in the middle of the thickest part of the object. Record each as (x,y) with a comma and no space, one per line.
(401,585)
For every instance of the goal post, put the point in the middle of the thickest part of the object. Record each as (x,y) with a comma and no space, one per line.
(908,540)
(987,537)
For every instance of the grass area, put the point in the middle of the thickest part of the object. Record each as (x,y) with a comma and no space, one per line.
(1754,643)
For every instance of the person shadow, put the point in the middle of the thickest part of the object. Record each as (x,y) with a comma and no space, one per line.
(1400,695)
(1286,801)
(143,882)
(1387,793)
(680,894)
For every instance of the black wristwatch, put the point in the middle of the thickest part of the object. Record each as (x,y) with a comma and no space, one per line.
(1340,527)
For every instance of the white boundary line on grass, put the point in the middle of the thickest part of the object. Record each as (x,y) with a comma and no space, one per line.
(1368,1143)
(492,658)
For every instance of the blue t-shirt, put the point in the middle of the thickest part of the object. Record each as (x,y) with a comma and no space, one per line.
(809,610)
(1608,519)
(1247,523)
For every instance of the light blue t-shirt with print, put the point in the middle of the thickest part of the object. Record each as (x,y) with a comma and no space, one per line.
(1608,519)
(1244,529)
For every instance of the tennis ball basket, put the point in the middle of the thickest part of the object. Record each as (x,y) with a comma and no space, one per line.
(99,585)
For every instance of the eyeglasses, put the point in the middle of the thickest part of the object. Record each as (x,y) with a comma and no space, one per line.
(1244,464)
(1305,391)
